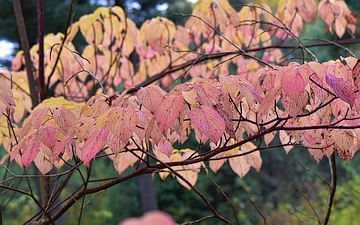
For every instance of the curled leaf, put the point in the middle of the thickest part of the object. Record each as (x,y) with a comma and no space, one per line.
(342,89)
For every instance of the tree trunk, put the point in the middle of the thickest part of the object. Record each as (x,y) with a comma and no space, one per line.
(147,193)
(120,3)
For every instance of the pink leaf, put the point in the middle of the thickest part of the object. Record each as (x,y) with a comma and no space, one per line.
(268,103)
(248,91)
(295,107)
(153,131)
(114,143)
(164,147)
(48,135)
(342,89)
(294,80)
(93,145)
(122,122)
(208,121)
(150,218)
(168,111)
(254,158)
(151,97)
(84,126)
(59,148)
(64,118)
(30,152)
(6,94)
(356,74)
(38,116)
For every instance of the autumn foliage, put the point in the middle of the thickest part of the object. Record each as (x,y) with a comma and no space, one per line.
(234,90)
(220,108)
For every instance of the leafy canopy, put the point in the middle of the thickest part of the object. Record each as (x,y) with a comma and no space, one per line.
(234,88)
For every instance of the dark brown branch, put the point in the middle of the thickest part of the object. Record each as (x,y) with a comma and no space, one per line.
(333,183)
(26,48)
(41,34)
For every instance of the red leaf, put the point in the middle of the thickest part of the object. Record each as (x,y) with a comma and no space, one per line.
(208,121)
(93,145)
(342,89)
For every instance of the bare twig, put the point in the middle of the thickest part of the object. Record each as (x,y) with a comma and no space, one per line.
(310,204)
(74,53)
(228,201)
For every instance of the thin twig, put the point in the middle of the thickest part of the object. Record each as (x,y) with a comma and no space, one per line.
(316,174)
(309,203)
(228,201)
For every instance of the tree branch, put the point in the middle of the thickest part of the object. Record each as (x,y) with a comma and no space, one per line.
(333,183)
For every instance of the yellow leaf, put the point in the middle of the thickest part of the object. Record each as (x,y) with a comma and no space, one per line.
(345,143)
(254,158)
